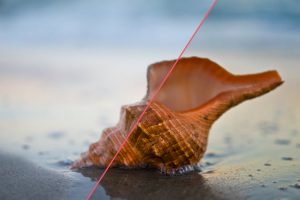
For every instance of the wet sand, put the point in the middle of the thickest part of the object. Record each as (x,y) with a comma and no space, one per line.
(49,119)
(21,179)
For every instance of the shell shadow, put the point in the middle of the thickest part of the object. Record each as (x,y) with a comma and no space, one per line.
(150,184)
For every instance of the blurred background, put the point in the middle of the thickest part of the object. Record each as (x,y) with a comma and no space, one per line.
(66,66)
(139,23)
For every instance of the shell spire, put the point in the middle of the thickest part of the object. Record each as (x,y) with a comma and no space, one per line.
(174,130)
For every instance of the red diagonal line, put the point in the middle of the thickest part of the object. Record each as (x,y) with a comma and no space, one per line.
(151,100)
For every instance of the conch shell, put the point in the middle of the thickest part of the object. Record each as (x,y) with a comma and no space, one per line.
(174,131)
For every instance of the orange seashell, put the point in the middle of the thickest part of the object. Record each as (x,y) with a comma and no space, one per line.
(174,130)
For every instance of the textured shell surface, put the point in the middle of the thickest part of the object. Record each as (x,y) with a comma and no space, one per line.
(173,132)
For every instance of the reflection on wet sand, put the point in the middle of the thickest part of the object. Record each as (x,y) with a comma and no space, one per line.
(150,184)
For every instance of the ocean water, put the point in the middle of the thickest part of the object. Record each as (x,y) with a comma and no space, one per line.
(140,23)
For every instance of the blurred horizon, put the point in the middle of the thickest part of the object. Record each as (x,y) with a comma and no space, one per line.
(139,23)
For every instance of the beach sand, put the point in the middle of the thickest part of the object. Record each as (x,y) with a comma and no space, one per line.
(21,179)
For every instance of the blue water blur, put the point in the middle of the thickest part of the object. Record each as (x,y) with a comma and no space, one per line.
(141,23)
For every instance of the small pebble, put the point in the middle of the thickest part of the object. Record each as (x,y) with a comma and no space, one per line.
(250,175)
(263,185)
(274,182)
(208,163)
(56,134)
(258,170)
(267,164)
(287,158)
(210,154)
(65,162)
(296,185)
(282,142)
(209,172)
(25,146)
(282,188)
